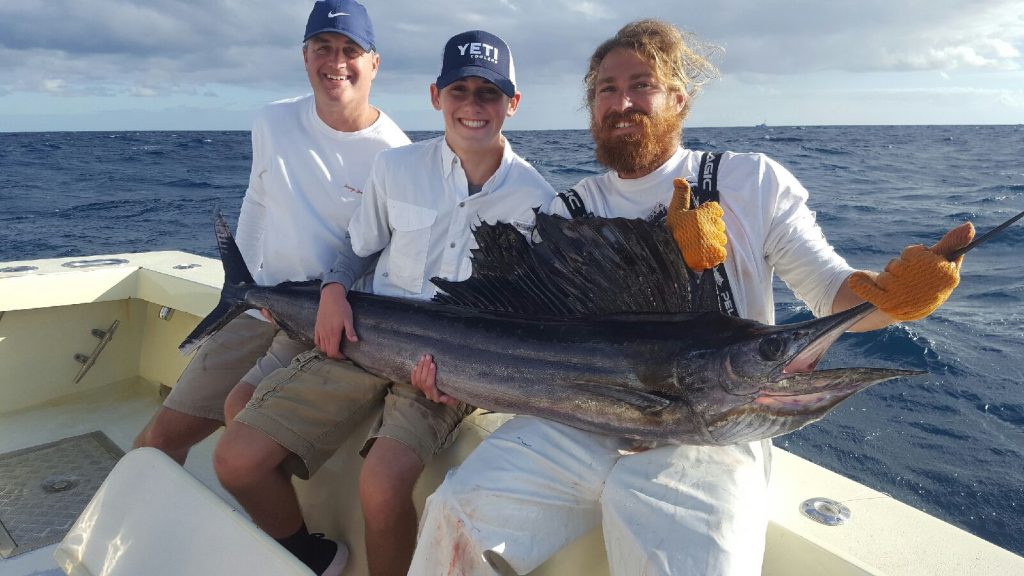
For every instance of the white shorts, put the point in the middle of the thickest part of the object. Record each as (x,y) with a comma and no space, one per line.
(534,486)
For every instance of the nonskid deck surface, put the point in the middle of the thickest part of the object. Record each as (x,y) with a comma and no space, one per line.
(44,488)
(117,412)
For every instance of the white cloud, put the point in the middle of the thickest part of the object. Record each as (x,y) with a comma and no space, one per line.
(1011,98)
(177,49)
(52,85)
(590,10)
(144,92)
(1002,48)
(871,35)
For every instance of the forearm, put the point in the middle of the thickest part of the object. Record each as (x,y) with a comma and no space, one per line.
(349,267)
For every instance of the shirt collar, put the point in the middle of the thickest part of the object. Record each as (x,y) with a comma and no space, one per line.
(448,157)
(449,161)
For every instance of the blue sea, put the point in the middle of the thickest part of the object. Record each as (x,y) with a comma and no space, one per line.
(950,443)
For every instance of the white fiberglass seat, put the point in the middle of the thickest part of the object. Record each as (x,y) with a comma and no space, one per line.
(152,517)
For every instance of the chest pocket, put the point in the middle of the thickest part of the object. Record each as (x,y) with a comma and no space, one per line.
(410,240)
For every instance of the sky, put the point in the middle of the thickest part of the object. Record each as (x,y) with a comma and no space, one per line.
(210,64)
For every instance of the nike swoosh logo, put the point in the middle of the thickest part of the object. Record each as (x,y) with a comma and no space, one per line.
(334,14)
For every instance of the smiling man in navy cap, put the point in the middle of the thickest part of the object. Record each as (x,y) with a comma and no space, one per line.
(311,159)
(341,31)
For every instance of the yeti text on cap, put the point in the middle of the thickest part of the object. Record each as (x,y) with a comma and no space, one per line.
(480,50)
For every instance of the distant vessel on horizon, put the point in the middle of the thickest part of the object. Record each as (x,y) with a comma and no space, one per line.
(762,125)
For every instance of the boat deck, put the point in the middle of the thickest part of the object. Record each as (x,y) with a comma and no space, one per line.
(50,314)
(119,411)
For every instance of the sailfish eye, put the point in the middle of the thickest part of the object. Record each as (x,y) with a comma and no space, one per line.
(771,348)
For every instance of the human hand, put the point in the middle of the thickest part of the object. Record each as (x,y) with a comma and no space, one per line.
(917,282)
(333,321)
(268,317)
(699,233)
(424,376)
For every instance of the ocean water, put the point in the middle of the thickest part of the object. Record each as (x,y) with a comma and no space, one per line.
(950,443)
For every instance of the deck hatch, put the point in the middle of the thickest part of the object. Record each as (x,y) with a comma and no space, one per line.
(43,489)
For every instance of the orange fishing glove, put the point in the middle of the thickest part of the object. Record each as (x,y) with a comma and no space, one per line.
(919,281)
(699,233)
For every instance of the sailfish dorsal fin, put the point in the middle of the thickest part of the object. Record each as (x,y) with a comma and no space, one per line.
(579,267)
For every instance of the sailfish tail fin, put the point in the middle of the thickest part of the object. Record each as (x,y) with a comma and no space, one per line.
(237,281)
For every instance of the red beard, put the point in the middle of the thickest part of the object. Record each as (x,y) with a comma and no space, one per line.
(639,153)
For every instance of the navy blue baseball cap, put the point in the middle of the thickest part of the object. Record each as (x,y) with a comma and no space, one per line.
(346,17)
(478,53)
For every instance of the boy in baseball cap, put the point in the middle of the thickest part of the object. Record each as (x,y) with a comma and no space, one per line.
(417,213)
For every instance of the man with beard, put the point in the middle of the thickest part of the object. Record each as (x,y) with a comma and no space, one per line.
(535,485)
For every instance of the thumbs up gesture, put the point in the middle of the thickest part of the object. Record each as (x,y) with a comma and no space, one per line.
(699,233)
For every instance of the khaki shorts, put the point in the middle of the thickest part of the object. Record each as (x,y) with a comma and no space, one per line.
(245,348)
(312,406)
(280,354)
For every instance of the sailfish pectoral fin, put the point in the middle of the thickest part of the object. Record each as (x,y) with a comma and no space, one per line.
(644,401)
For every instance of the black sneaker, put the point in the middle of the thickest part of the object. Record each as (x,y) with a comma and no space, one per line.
(323,556)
